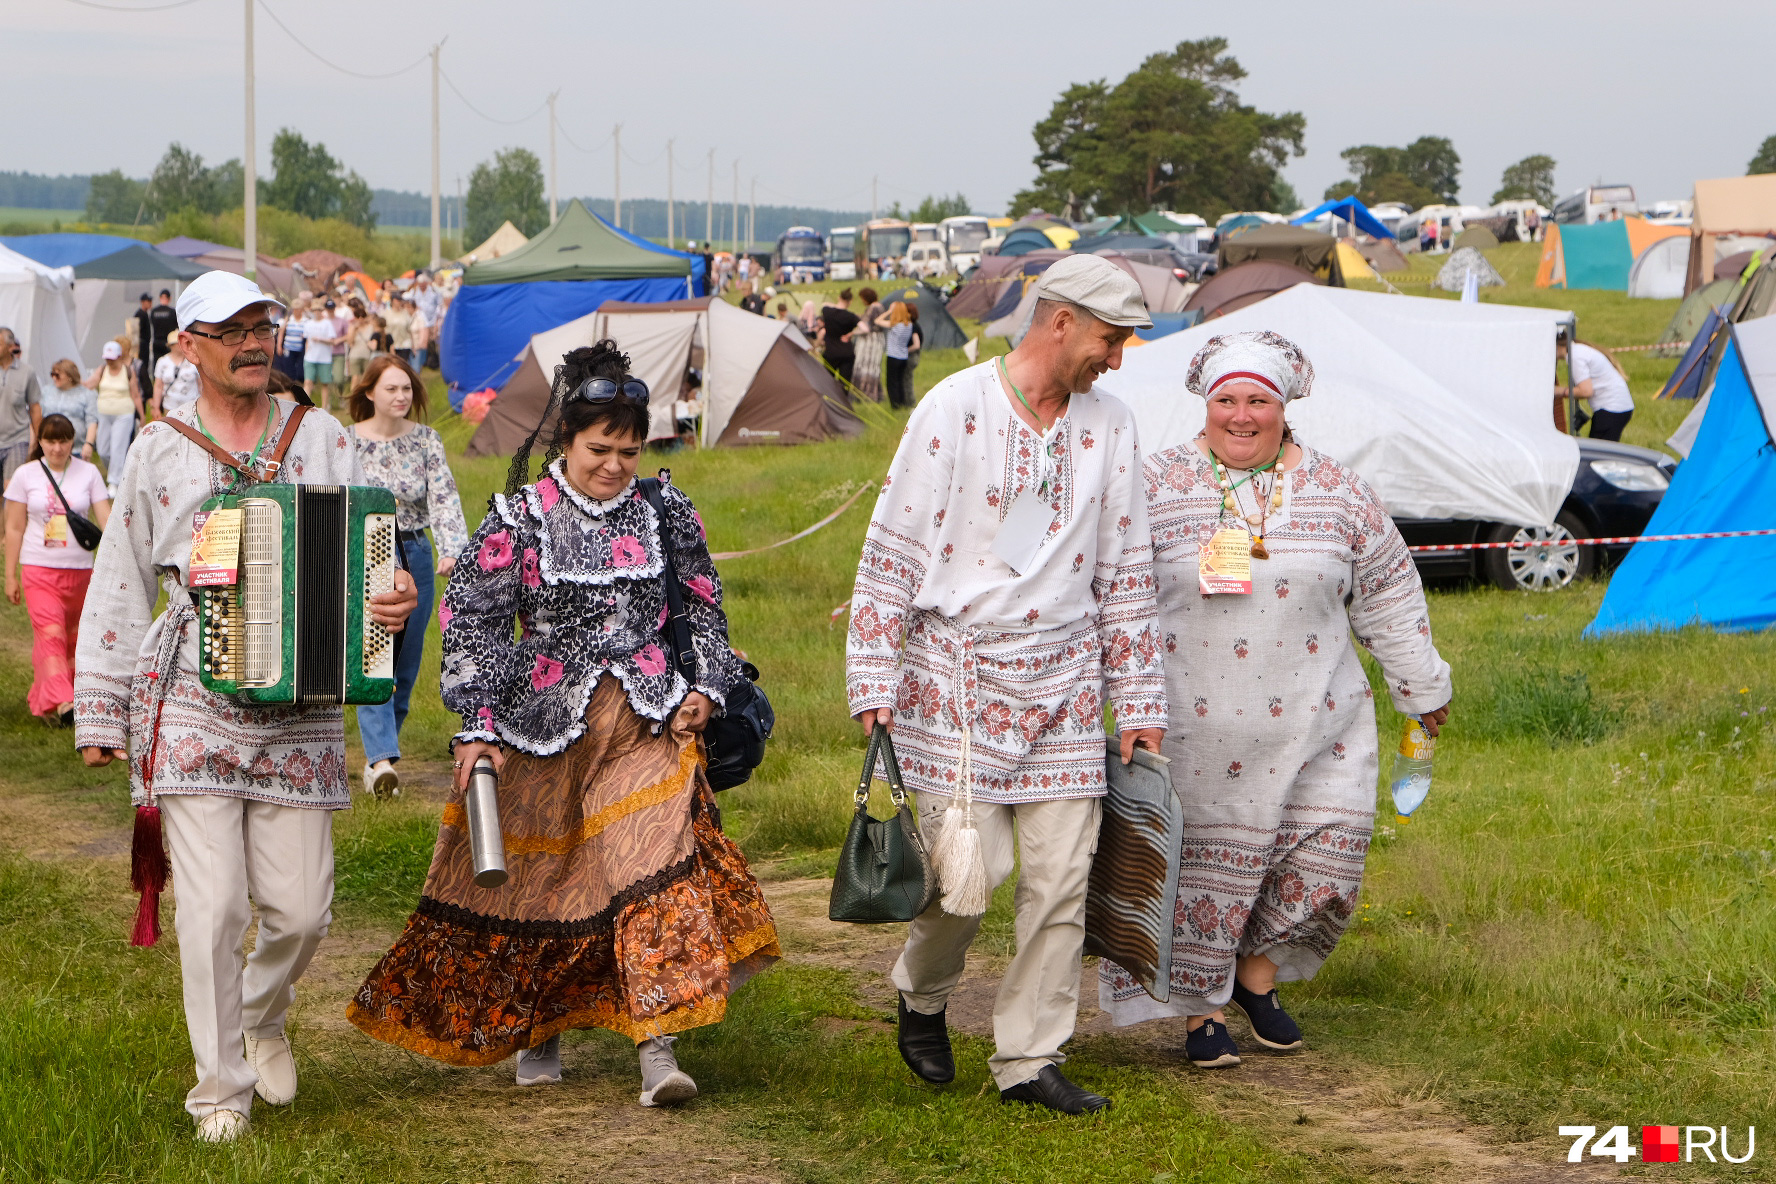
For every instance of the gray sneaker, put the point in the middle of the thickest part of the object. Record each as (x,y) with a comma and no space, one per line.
(540,1065)
(663,1083)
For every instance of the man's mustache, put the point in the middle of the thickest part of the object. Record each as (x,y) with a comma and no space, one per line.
(256,357)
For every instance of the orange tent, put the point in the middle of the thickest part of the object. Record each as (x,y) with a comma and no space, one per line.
(1598,256)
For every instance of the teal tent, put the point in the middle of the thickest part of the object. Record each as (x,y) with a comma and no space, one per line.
(1597,256)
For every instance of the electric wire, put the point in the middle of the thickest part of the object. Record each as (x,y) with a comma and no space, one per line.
(129,8)
(278,21)
(540,107)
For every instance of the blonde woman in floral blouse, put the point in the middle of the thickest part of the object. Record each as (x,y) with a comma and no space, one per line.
(407,458)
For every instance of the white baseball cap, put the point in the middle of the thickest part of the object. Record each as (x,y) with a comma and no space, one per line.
(215,296)
(112,351)
(1099,287)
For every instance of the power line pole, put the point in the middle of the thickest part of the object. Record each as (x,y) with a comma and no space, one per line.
(250,198)
(437,237)
(459,215)
(617,160)
(669,238)
(874,205)
(554,205)
(752,210)
(709,205)
(735,226)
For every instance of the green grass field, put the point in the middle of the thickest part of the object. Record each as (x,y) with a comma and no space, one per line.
(1577,927)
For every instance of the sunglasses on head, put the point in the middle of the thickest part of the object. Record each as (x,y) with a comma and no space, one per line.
(603,390)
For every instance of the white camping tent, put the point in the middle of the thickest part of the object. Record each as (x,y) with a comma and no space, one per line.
(1660,271)
(1445,408)
(37,303)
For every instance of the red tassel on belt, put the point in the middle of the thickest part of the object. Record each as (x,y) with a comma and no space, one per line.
(149,867)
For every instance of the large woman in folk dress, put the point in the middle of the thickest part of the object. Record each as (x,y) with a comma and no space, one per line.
(1273,739)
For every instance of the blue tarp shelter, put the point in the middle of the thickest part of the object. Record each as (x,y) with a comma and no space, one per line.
(68,249)
(1727,483)
(1687,380)
(1352,211)
(565,272)
(186,247)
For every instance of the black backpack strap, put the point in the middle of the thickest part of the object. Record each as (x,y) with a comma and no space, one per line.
(678,626)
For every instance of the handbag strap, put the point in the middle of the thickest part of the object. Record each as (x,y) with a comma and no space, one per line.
(881,748)
(66,508)
(678,625)
(272,463)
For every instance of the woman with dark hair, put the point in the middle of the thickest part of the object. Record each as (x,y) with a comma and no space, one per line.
(627,908)
(408,458)
(54,567)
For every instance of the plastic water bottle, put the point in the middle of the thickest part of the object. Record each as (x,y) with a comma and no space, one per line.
(1411,777)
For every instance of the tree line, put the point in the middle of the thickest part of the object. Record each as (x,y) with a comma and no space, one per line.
(305,179)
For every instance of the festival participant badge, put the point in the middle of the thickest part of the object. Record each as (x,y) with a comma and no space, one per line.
(215,548)
(1224,563)
(55,531)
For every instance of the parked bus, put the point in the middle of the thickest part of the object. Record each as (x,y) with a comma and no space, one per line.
(1597,203)
(841,253)
(884,238)
(962,238)
(800,257)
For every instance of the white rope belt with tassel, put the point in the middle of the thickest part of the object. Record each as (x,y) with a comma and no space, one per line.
(961,864)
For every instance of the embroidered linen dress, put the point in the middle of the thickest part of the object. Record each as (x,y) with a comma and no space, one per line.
(1026,658)
(209,744)
(627,908)
(1273,745)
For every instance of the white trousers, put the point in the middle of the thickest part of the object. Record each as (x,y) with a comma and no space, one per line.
(225,851)
(1038,1003)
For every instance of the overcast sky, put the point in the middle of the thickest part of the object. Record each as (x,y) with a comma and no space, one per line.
(932,97)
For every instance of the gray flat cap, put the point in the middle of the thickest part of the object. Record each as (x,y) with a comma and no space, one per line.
(1099,287)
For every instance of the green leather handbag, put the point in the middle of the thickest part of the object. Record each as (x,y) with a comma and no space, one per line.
(884,872)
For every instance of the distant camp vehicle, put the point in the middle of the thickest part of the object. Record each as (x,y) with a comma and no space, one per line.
(1597,203)
(962,237)
(800,257)
(927,260)
(883,238)
(841,253)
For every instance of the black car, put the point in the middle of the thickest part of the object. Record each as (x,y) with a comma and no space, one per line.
(1615,492)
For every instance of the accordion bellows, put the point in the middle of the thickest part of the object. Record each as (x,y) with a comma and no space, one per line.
(295,627)
(1133,892)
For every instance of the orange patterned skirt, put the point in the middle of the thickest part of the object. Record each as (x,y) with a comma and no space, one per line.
(627,908)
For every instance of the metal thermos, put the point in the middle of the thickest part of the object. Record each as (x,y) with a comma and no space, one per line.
(487,847)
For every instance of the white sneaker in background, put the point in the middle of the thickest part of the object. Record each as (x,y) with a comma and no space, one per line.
(222,1126)
(663,1083)
(382,780)
(540,1065)
(271,1059)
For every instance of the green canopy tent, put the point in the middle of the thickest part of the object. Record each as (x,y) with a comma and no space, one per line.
(580,246)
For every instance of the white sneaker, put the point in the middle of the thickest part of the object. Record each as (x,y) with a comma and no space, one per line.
(663,1083)
(540,1065)
(382,780)
(222,1126)
(270,1058)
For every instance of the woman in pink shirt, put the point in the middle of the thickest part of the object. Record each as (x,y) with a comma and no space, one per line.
(54,568)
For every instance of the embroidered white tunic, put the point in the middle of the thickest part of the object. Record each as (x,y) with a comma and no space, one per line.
(1026,658)
(1273,744)
(209,744)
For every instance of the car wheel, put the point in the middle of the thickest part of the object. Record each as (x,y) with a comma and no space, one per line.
(1540,569)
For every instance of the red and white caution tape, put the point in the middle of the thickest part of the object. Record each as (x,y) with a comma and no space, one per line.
(1516,545)
(800,534)
(1633,349)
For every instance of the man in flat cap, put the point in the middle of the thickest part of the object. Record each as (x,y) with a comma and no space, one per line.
(1005,590)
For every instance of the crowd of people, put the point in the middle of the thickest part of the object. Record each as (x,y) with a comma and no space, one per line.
(326,342)
(1091,582)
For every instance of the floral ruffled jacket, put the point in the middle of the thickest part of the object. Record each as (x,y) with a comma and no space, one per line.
(582,581)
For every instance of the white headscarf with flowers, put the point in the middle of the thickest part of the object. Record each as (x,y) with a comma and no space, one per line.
(1266,358)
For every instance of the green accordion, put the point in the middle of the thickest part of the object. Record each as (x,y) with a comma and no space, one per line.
(295,626)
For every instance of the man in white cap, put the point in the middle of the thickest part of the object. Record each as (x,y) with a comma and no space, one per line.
(1005,590)
(246,793)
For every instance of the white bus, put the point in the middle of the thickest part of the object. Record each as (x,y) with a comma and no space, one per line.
(1597,203)
(962,237)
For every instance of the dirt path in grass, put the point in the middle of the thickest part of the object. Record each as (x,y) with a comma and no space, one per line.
(1306,1102)
(590,1127)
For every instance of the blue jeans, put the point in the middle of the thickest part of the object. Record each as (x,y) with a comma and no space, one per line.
(379,724)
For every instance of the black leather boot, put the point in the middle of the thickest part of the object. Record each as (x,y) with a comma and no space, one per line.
(925,1045)
(1049,1088)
